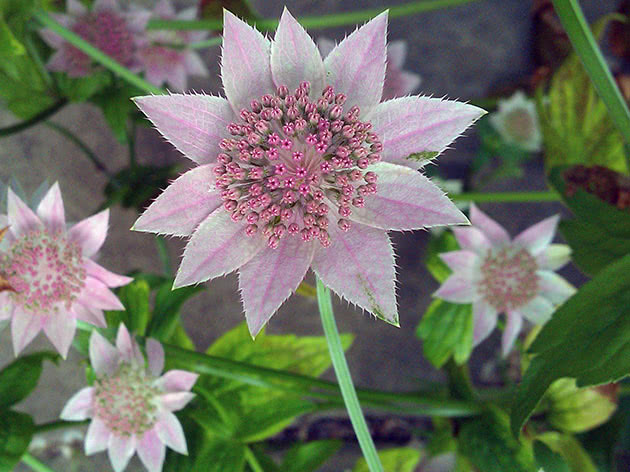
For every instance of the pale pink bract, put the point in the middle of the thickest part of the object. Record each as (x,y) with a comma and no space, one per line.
(301,166)
(500,275)
(50,269)
(130,404)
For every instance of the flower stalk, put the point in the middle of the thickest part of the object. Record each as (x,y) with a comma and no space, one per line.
(41,116)
(507,197)
(35,464)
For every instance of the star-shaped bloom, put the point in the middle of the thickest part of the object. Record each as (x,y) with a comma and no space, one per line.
(516,121)
(301,166)
(500,275)
(398,82)
(165,56)
(106,26)
(50,270)
(131,406)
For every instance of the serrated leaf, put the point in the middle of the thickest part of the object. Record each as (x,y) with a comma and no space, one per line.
(307,457)
(570,450)
(446,330)
(20,377)
(16,431)
(445,242)
(588,339)
(487,443)
(403,459)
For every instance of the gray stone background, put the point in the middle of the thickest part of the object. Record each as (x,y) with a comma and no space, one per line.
(462,53)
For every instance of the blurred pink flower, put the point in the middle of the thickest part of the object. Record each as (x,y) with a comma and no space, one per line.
(54,281)
(106,26)
(500,275)
(300,167)
(398,82)
(165,56)
(130,404)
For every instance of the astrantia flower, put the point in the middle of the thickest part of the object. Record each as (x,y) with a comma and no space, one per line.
(130,405)
(398,82)
(53,279)
(166,57)
(300,167)
(106,26)
(516,121)
(500,275)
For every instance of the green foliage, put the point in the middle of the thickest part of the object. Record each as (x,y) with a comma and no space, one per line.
(548,460)
(20,377)
(307,457)
(446,330)
(82,88)
(136,187)
(600,233)
(588,338)
(403,459)
(135,299)
(570,451)
(116,105)
(445,242)
(16,431)
(487,443)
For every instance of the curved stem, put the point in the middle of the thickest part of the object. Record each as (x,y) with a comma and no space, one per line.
(506,197)
(35,463)
(252,461)
(345,380)
(208,43)
(66,133)
(315,22)
(41,116)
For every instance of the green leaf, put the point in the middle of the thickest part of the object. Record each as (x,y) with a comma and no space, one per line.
(487,443)
(446,330)
(168,303)
(136,187)
(307,457)
(116,105)
(422,156)
(445,242)
(403,459)
(588,339)
(600,234)
(570,450)
(19,379)
(16,431)
(81,89)
(135,298)
(548,460)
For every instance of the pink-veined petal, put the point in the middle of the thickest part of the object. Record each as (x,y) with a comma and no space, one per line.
(493,230)
(51,38)
(465,262)
(325,45)
(295,57)
(245,64)
(195,65)
(79,407)
(21,218)
(75,8)
(177,381)
(513,325)
(97,437)
(406,199)
(155,356)
(412,125)
(6,306)
(217,247)
(406,83)
(100,273)
(170,432)
(185,203)
(538,237)
(458,288)
(359,267)
(103,356)
(472,239)
(151,451)
(94,316)
(137,20)
(484,320)
(177,77)
(176,401)
(90,233)
(538,310)
(271,277)
(553,287)
(194,124)
(120,449)
(554,257)
(25,325)
(95,294)
(356,66)
(60,329)
(50,210)
(127,346)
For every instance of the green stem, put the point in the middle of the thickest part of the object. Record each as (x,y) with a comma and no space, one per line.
(252,461)
(96,54)
(506,197)
(165,259)
(35,464)
(579,32)
(459,382)
(66,133)
(208,43)
(345,380)
(59,424)
(41,116)
(316,22)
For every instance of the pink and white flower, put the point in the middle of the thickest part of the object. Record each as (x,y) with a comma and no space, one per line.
(301,166)
(165,56)
(106,26)
(131,406)
(516,120)
(500,275)
(398,82)
(53,279)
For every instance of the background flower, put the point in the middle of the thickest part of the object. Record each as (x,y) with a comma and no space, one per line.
(516,120)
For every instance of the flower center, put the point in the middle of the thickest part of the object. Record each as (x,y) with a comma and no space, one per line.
(291,160)
(107,31)
(126,400)
(45,270)
(519,124)
(508,278)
